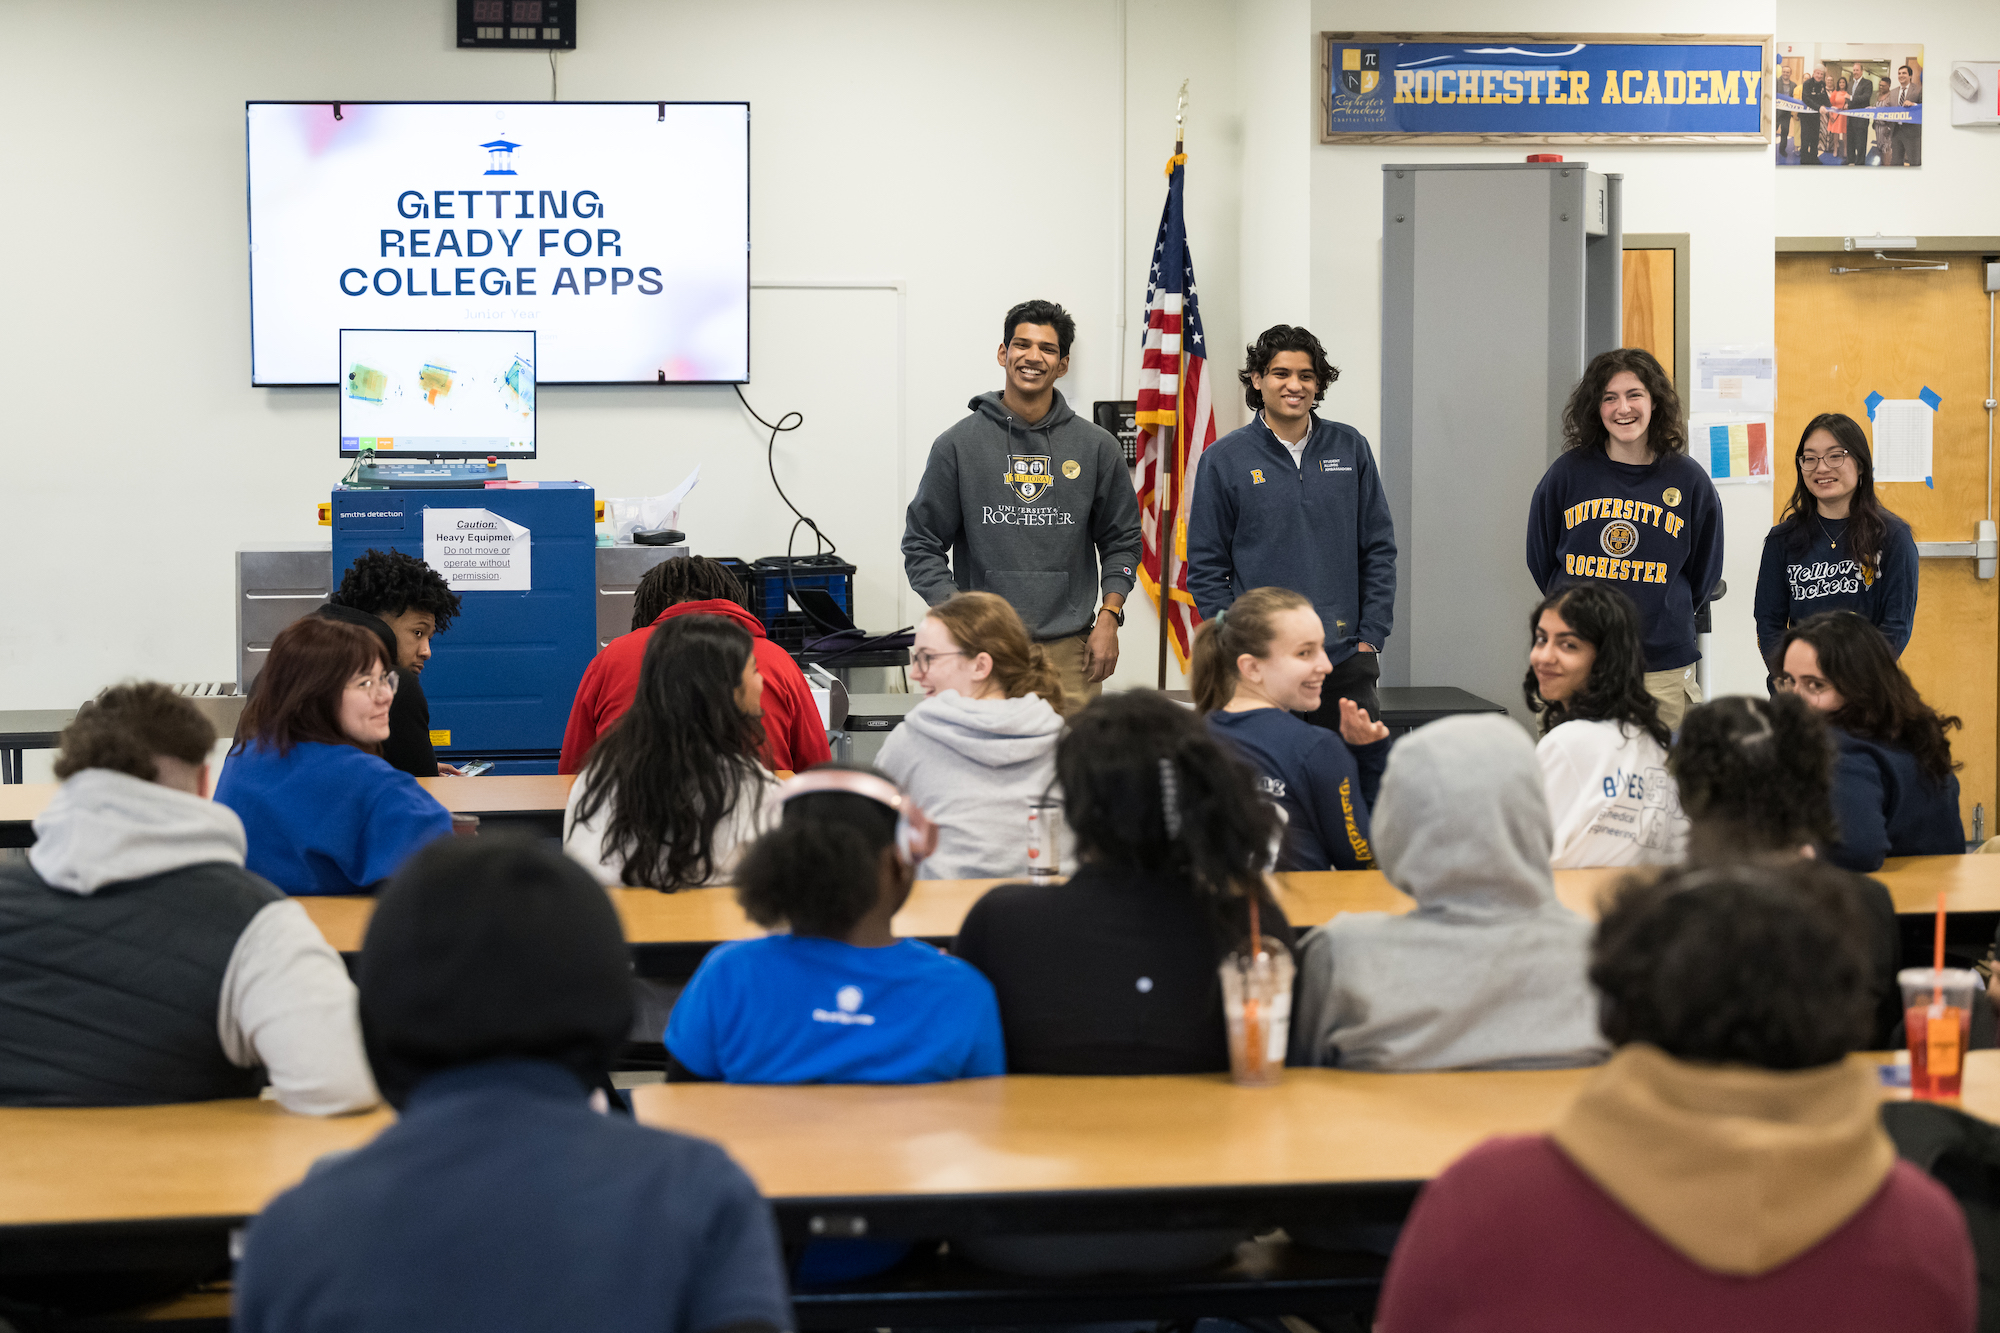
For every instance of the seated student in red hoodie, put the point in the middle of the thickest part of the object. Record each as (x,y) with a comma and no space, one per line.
(1728,1169)
(685,586)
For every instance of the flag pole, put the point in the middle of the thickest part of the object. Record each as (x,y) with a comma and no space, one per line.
(1163,534)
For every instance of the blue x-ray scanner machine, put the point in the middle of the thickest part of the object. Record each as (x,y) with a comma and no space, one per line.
(502,678)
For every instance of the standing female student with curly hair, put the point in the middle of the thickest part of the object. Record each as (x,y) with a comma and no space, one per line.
(1603,752)
(1625,505)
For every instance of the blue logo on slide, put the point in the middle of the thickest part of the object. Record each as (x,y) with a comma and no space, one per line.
(503,152)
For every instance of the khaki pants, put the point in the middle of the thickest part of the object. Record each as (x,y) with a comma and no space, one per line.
(1675,689)
(1066,656)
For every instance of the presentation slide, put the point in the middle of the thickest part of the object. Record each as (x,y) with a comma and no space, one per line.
(619,232)
(444,392)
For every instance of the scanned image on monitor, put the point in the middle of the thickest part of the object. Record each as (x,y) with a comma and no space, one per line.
(443,392)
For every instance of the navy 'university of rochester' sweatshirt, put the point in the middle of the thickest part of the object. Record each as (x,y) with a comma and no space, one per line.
(1808,568)
(1320,527)
(1885,805)
(1040,512)
(1324,788)
(1653,530)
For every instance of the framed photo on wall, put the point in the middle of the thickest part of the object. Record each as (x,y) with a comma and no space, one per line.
(1577,88)
(1850,104)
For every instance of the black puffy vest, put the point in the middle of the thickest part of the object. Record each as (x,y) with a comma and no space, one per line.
(110,998)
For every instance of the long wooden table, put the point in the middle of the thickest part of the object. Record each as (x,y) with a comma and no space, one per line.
(700,917)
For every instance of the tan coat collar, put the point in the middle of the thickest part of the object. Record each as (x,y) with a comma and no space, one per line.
(1740,1169)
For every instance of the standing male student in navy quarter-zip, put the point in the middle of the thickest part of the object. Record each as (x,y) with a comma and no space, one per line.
(1291,501)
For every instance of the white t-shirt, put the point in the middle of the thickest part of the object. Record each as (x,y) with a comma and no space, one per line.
(583,840)
(1610,797)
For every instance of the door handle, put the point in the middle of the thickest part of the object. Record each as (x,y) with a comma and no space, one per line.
(1985,549)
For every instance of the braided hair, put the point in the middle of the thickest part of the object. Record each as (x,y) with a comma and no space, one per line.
(685,578)
(1145,786)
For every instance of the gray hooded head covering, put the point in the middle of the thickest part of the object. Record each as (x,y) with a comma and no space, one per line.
(1490,970)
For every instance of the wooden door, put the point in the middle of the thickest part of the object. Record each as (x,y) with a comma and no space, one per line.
(1649,305)
(1844,336)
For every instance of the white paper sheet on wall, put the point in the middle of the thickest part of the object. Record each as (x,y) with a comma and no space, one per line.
(1737,379)
(1903,440)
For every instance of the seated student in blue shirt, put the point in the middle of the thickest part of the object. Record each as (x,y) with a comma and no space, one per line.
(322,810)
(837,998)
(1894,789)
(1257,665)
(495,991)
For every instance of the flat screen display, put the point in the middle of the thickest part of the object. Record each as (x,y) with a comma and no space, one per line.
(437,393)
(617,231)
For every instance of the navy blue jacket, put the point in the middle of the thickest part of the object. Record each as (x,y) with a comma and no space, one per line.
(1653,530)
(1884,806)
(1321,528)
(501,1200)
(1324,788)
(1807,568)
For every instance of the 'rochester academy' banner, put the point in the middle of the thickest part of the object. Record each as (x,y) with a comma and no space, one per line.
(1459,87)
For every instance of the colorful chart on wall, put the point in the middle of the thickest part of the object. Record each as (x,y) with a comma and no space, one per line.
(1850,104)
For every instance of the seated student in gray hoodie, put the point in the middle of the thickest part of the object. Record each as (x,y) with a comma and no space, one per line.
(1489,971)
(139,961)
(982,744)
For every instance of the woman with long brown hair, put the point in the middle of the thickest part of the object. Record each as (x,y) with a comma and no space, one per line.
(982,744)
(1625,505)
(322,810)
(1895,791)
(1836,548)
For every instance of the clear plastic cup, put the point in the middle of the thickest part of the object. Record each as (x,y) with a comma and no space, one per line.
(1257,1007)
(1044,839)
(1937,1017)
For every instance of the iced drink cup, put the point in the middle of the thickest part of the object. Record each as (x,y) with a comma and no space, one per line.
(1937,1016)
(1257,1006)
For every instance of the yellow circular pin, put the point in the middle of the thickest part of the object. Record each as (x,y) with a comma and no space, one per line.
(1673,496)
(1070,469)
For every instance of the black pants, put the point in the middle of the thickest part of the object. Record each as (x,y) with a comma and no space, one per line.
(1352,679)
(1857,142)
(1809,138)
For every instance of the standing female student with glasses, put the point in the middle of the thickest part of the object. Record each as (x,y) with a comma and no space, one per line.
(322,811)
(1836,548)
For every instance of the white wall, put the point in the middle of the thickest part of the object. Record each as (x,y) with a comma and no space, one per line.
(1720,196)
(972,153)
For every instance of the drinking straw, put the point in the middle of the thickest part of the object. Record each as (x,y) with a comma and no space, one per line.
(1937,955)
(1253,1040)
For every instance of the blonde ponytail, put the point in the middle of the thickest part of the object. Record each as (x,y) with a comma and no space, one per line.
(982,622)
(1244,628)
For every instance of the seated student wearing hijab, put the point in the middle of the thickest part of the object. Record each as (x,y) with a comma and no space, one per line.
(403,602)
(495,992)
(1488,972)
(1255,667)
(982,744)
(139,961)
(673,792)
(835,997)
(1727,1169)
(1603,751)
(1895,791)
(1756,777)
(693,585)
(323,811)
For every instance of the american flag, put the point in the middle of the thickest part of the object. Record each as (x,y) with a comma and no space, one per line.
(1176,415)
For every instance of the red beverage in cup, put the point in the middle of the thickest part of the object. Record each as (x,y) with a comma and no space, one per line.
(1937,1018)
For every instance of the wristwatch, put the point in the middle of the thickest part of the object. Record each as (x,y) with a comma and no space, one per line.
(1114,613)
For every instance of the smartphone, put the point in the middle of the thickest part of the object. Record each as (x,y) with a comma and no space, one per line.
(475,768)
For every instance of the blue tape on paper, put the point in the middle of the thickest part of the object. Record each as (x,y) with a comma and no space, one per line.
(1929,398)
(1873,401)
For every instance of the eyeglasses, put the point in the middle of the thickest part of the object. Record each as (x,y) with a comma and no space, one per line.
(384,683)
(922,658)
(1831,460)
(1812,687)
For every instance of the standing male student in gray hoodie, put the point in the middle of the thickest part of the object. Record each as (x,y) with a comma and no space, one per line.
(1026,499)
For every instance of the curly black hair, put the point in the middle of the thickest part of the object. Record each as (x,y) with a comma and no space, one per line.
(1284,338)
(388,583)
(1147,786)
(1606,619)
(820,871)
(1879,703)
(1763,965)
(1756,773)
(1583,422)
(685,578)
(1041,312)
